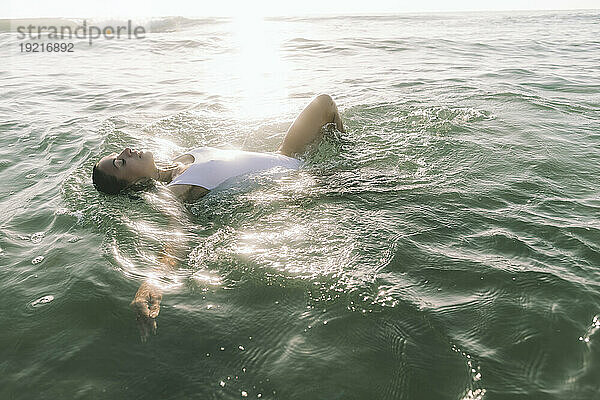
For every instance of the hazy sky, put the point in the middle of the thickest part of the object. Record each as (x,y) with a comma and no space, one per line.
(132,8)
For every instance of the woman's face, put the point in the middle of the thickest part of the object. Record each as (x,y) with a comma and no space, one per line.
(130,165)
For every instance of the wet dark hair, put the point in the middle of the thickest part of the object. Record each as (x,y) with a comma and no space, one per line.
(106,183)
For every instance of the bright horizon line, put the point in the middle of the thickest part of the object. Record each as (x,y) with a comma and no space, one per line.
(274,8)
(321,14)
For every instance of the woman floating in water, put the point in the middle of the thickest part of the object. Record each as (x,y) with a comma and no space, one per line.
(195,173)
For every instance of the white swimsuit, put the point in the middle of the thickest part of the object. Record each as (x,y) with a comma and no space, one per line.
(212,167)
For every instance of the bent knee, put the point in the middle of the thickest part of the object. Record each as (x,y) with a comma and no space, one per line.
(324,100)
(326,104)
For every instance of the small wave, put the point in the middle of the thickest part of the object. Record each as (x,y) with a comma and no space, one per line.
(173,24)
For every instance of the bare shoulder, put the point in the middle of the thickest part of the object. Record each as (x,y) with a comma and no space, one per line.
(185,159)
(188,193)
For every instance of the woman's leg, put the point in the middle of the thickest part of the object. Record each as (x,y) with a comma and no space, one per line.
(307,126)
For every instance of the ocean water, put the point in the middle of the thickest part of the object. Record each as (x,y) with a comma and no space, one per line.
(446,247)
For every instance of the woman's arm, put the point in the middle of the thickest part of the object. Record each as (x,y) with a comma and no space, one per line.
(147,299)
(188,193)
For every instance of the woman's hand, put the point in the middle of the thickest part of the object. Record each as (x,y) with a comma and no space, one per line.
(146,305)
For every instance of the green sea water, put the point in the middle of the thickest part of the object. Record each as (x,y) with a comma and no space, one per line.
(446,247)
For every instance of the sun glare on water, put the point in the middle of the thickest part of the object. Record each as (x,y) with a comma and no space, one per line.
(256,71)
